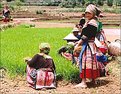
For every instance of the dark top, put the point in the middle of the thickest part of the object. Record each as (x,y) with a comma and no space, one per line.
(78,36)
(39,61)
(89,31)
(82,22)
(6,14)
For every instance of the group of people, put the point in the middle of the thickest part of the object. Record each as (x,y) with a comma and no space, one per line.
(41,68)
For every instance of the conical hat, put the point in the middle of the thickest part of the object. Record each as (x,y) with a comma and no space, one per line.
(75,30)
(70,37)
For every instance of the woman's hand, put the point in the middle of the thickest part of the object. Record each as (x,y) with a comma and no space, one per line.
(27,59)
(79,42)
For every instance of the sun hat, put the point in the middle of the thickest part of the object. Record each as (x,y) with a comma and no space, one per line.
(75,29)
(70,37)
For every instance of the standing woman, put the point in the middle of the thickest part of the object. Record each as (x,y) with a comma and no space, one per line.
(89,67)
(6,14)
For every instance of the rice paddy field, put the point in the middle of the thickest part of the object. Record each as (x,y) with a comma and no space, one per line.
(23,41)
(20,42)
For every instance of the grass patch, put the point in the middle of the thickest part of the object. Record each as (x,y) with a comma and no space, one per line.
(20,42)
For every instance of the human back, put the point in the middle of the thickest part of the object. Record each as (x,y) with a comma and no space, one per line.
(41,69)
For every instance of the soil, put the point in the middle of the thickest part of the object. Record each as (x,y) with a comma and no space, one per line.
(104,85)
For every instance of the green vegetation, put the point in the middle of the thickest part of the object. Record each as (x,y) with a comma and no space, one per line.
(20,42)
(110,2)
(100,2)
(111,9)
(70,3)
(0,7)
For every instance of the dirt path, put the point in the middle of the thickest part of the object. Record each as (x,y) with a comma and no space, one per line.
(104,85)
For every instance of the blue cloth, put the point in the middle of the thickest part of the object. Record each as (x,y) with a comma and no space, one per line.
(84,46)
(102,58)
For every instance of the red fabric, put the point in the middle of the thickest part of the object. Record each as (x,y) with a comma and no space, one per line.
(67,56)
(6,20)
(89,72)
(43,79)
(103,50)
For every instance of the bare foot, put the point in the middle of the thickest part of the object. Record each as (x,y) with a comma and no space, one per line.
(81,85)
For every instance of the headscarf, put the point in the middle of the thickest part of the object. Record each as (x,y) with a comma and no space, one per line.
(70,47)
(93,9)
(45,48)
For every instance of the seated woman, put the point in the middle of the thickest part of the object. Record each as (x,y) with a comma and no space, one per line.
(41,69)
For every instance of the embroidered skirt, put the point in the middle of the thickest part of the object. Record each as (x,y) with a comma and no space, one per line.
(90,66)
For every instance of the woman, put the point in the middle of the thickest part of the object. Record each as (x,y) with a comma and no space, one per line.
(89,67)
(41,69)
(6,14)
(102,38)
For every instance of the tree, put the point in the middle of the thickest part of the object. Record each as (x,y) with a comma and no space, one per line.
(70,3)
(100,2)
(110,2)
(8,0)
(22,0)
(82,2)
(118,2)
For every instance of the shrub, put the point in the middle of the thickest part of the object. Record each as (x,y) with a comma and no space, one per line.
(118,2)
(12,7)
(70,3)
(100,2)
(0,5)
(18,2)
(8,0)
(39,12)
(110,2)
(22,0)
(112,10)
(82,2)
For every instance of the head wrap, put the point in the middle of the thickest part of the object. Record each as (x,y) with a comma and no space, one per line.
(45,48)
(70,45)
(93,9)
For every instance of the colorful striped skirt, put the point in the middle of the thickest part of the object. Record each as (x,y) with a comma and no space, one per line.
(90,66)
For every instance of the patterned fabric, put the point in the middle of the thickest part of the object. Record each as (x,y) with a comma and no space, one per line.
(90,66)
(41,78)
(102,38)
(93,9)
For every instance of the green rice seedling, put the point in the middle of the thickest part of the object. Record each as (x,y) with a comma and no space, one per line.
(20,42)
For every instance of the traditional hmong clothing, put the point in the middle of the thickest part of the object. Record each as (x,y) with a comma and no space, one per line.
(102,38)
(6,15)
(41,72)
(41,69)
(41,61)
(89,67)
